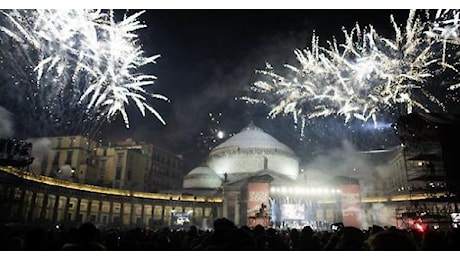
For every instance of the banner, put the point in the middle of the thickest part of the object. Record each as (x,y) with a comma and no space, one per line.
(258,204)
(351,205)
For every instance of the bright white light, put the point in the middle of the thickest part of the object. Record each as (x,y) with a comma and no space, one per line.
(220,134)
(303,190)
(362,76)
(88,54)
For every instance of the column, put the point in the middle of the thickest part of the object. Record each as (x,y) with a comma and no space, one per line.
(110,221)
(32,207)
(20,213)
(143,214)
(98,212)
(237,212)
(88,210)
(224,206)
(44,206)
(153,215)
(78,220)
(56,208)
(131,214)
(194,211)
(66,209)
(163,219)
(122,212)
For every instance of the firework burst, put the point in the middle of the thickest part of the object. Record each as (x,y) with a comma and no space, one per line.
(214,135)
(77,68)
(364,76)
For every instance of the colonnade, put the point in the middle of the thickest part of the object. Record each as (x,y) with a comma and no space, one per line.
(29,202)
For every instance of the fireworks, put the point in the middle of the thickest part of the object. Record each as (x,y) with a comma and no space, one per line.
(364,76)
(446,29)
(76,68)
(214,135)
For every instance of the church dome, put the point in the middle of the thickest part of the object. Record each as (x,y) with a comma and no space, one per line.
(250,151)
(252,137)
(202,177)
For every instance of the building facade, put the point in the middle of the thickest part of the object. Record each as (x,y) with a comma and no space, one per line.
(28,198)
(260,182)
(258,179)
(124,165)
(251,179)
(66,157)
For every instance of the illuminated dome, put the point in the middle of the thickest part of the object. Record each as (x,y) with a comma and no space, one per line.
(252,137)
(202,177)
(250,151)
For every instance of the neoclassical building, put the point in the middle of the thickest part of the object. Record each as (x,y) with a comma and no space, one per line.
(112,186)
(243,155)
(251,178)
(248,170)
(260,182)
(32,199)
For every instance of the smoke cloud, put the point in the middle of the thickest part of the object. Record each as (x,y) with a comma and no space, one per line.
(41,152)
(381,215)
(6,125)
(369,168)
(65,173)
(346,161)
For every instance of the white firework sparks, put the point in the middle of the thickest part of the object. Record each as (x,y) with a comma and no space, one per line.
(214,135)
(301,93)
(359,78)
(87,53)
(446,28)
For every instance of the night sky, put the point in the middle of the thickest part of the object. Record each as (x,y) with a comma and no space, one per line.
(208,61)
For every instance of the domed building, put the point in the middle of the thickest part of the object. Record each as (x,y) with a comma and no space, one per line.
(242,169)
(259,180)
(244,155)
(202,177)
(253,150)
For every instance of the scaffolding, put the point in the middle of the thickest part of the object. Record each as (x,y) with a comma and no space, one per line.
(426,173)
(425,170)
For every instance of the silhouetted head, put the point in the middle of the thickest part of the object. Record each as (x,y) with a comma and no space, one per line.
(87,232)
(307,231)
(223,225)
(390,240)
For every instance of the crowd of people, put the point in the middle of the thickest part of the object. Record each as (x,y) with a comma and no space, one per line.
(225,236)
